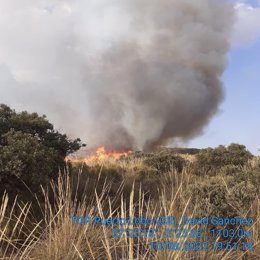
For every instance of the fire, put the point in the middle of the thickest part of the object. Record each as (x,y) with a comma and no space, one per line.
(100,155)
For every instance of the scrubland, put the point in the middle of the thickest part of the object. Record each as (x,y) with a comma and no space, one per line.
(223,182)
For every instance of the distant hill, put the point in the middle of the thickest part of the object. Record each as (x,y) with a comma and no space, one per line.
(183,150)
(176,150)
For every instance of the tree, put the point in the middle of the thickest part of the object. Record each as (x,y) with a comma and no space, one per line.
(37,126)
(31,150)
(26,158)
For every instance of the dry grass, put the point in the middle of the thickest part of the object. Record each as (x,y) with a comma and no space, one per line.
(55,237)
(187,157)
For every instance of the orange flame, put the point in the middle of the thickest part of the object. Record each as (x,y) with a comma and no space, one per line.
(100,155)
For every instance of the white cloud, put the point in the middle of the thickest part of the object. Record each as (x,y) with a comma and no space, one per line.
(247,26)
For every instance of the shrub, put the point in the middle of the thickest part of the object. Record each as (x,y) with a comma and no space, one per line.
(210,161)
(221,197)
(165,162)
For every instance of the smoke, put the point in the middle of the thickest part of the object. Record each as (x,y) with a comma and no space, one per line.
(123,74)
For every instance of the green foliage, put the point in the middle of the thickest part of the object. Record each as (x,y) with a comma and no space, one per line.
(31,151)
(26,158)
(209,161)
(221,197)
(38,126)
(164,162)
(230,192)
(228,183)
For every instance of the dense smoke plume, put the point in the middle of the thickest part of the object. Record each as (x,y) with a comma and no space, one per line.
(123,74)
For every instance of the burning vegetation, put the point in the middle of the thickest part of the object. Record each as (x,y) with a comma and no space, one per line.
(101,154)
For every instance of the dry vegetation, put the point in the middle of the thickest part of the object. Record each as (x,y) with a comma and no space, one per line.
(145,185)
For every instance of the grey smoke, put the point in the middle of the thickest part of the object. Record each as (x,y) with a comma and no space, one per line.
(124,74)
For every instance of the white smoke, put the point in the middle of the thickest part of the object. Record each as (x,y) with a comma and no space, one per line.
(133,73)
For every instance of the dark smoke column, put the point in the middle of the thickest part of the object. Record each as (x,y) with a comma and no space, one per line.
(162,81)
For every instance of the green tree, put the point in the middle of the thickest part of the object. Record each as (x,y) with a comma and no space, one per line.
(31,150)
(26,158)
(37,126)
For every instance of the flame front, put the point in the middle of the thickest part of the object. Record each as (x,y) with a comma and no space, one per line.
(100,155)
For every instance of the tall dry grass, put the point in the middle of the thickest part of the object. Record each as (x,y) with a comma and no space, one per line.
(55,237)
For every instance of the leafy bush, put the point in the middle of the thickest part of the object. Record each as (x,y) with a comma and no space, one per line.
(31,151)
(25,157)
(37,126)
(210,161)
(165,162)
(221,197)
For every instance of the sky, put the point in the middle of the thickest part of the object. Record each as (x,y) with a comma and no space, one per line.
(238,118)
